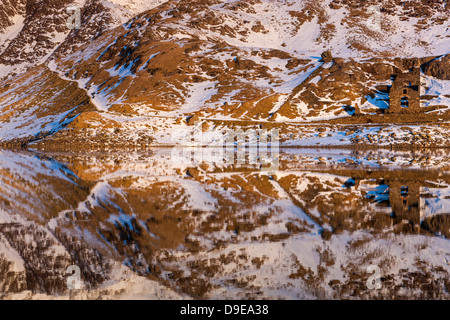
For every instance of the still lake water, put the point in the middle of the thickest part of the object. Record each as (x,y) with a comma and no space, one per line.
(307,228)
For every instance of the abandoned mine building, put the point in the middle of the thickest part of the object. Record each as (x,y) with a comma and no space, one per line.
(404,95)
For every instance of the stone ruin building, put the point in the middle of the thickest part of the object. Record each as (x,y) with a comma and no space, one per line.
(404,96)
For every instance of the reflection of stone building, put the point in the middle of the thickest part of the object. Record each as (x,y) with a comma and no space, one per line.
(401,196)
(405,91)
(404,199)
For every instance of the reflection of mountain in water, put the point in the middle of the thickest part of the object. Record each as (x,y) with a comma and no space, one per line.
(221,231)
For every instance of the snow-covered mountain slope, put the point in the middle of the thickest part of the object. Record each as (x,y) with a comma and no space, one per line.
(221,231)
(32,30)
(254,60)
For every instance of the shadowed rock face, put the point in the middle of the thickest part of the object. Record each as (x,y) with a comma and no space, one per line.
(439,68)
(223,228)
